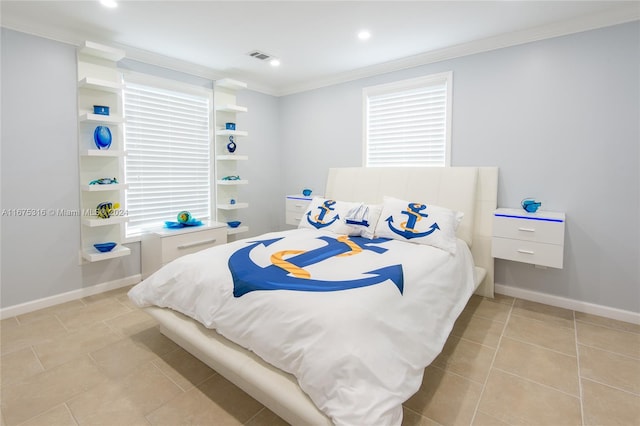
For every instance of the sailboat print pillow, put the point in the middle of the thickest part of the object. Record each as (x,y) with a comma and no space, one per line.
(419,223)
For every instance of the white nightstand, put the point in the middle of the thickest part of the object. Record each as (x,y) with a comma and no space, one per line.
(163,245)
(296,205)
(536,238)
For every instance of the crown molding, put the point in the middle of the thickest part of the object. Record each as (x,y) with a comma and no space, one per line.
(614,16)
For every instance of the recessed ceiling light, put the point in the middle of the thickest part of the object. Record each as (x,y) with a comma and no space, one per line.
(364,35)
(275,62)
(109,3)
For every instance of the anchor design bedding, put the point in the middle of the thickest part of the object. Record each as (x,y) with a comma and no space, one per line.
(355,320)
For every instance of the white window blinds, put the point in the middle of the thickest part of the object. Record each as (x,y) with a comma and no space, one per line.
(408,123)
(167,167)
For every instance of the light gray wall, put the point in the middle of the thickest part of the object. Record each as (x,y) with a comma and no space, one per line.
(40,171)
(264,170)
(559,117)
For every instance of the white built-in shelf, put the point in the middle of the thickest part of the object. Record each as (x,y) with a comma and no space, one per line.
(235,206)
(99,84)
(231,108)
(103,153)
(99,118)
(226,132)
(231,84)
(93,255)
(93,221)
(232,182)
(101,51)
(233,157)
(105,187)
(238,230)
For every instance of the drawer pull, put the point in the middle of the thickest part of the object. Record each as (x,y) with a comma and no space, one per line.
(197,243)
(525,251)
(527,229)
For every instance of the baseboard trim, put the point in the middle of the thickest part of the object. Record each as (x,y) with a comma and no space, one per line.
(574,305)
(25,308)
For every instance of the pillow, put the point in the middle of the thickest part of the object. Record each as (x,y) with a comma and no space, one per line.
(327,215)
(362,219)
(419,223)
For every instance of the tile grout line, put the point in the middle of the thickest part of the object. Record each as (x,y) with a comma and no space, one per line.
(538,383)
(633,358)
(544,322)
(575,335)
(612,387)
(546,348)
(493,360)
(255,415)
(608,327)
(455,373)
(33,350)
(70,413)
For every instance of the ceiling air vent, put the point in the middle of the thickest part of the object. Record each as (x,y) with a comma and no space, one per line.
(259,55)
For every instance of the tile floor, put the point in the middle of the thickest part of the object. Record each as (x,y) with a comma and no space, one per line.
(101,361)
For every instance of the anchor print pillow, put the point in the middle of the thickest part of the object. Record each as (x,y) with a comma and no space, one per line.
(327,215)
(419,222)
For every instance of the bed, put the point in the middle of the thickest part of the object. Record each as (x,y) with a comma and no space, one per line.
(293,367)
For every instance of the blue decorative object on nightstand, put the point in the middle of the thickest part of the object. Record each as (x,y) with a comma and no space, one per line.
(530,205)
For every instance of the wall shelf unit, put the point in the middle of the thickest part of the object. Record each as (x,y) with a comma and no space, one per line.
(102,153)
(228,207)
(100,83)
(109,187)
(232,157)
(232,182)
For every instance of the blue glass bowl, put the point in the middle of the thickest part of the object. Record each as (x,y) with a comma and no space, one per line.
(105,247)
(102,137)
(234,223)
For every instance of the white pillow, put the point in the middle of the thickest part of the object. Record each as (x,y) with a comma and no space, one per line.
(327,215)
(419,223)
(363,219)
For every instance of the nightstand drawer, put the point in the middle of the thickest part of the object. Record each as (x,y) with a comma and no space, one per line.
(528,251)
(180,245)
(296,205)
(293,218)
(529,229)
(163,245)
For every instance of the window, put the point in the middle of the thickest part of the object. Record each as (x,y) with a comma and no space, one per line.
(168,162)
(408,123)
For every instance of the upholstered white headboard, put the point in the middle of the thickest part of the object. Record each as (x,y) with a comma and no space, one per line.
(471,190)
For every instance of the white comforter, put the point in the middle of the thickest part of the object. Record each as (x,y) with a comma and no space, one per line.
(359,352)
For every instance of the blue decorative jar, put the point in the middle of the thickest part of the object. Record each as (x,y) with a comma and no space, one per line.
(102,137)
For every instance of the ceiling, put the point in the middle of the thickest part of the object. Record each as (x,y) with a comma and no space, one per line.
(316,41)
